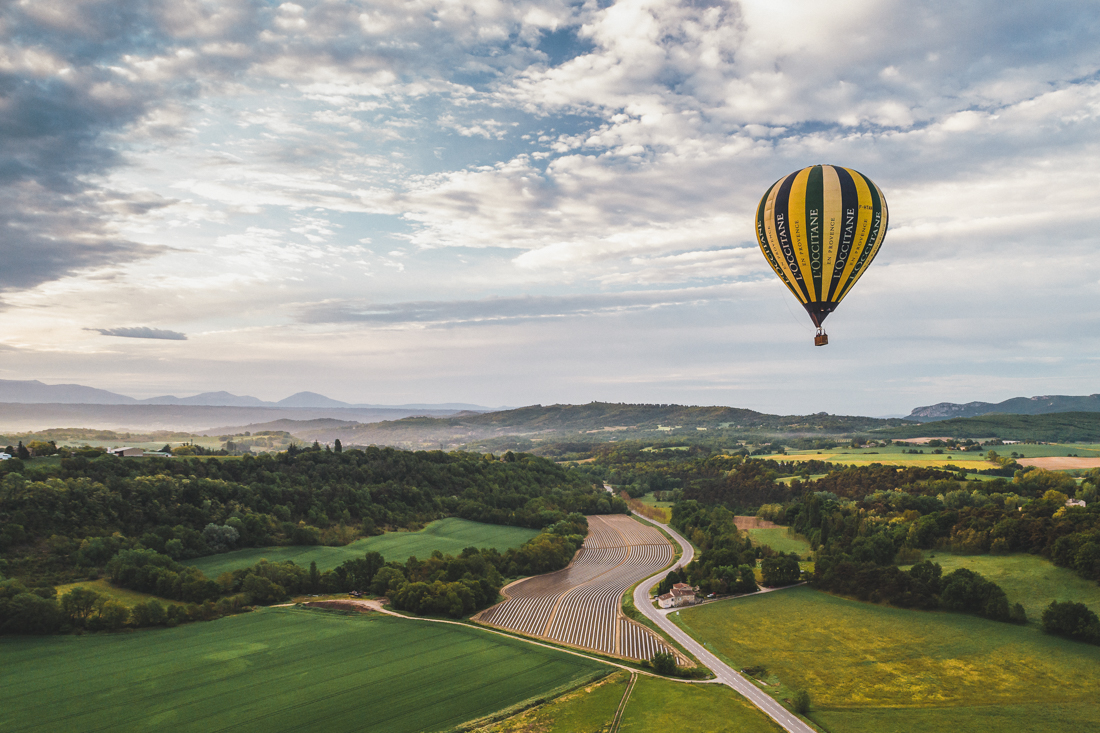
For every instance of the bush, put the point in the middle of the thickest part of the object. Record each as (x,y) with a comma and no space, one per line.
(1072,619)
(663,663)
(801,702)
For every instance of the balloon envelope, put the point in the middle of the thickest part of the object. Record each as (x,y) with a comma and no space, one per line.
(820,228)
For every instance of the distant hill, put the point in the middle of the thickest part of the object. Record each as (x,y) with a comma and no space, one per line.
(595,421)
(31,390)
(18,417)
(26,392)
(1055,427)
(1016,406)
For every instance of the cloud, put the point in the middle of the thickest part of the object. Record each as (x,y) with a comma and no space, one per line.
(506,309)
(142,332)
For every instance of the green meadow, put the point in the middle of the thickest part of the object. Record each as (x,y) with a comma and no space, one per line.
(876,669)
(654,705)
(1026,579)
(278,669)
(450,536)
(780,539)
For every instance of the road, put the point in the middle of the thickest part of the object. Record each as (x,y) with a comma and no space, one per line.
(722,671)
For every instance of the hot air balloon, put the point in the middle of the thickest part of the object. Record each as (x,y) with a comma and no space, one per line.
(820,228)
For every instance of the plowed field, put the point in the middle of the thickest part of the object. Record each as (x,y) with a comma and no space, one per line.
(579,605)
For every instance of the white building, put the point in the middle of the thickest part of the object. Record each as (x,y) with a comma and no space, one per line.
(128,452)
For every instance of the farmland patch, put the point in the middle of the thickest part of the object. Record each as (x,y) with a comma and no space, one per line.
(276,670)
(450,536)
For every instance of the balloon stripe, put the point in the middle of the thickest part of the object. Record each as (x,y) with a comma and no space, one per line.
(832,202)
(762,239)
(848,216)
(796,215)
(814,205)
(769,230)
(783,247)
(874,236)
(863,226)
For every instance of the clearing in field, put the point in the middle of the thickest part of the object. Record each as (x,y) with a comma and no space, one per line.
(276,670)
(1027,579)
(125,596)
(654,705)
(780,539)
(450,536)
(874,668)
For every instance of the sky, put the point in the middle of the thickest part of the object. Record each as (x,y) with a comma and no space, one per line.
(510,203)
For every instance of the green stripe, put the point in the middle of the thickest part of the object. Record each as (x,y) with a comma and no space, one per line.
(815,212)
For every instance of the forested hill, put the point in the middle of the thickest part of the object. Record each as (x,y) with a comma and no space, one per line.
(604,418)
(55,519)
(1060,427)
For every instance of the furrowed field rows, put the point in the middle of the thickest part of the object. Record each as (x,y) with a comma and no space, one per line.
(579,605)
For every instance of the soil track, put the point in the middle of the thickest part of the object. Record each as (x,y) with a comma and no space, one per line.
(1055,463)
(580,605)
(753,523)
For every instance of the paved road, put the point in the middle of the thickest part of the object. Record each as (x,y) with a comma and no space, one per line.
(722,671)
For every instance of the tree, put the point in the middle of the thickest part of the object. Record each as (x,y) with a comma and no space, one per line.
(782,569)
(22,452)
(801,702)
(336,446)
(1072,619)
(663,663)
(78,604)
(314,576)
(220,539)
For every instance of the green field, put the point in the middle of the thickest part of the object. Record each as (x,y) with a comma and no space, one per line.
(275,670)
(875,669)
(780,539)
(450,536)
(1026,579)
(654,705)
(661,705)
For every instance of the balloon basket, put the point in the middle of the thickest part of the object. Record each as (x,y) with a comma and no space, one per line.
(821,339)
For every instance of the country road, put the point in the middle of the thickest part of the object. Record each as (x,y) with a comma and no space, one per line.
(726,674)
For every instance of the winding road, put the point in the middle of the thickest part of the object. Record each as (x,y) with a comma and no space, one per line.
(725,673)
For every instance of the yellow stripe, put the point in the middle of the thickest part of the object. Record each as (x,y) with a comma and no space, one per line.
(831,222)
(796,214)
(773,241)
(863,225)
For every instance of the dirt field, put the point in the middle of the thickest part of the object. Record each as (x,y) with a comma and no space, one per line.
(753,523)
(579,605)
(1055,463)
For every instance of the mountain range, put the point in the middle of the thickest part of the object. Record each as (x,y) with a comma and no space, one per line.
(33,391)
(1040,405)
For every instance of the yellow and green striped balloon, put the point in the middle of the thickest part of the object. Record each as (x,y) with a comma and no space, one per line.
(820,228)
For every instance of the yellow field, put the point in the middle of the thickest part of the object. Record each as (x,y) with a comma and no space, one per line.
(971,461)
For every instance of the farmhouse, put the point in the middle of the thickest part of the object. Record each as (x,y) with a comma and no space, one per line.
(681,594)
(128,452)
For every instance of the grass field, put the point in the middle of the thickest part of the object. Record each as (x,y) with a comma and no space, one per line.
(275,670)
(125,596)
(1026,579)
(970,461)
(780,539)
(655,705)
(450,536)
(875,669)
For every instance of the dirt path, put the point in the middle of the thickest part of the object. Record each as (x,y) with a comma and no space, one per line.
(753,523)
(1055,463)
